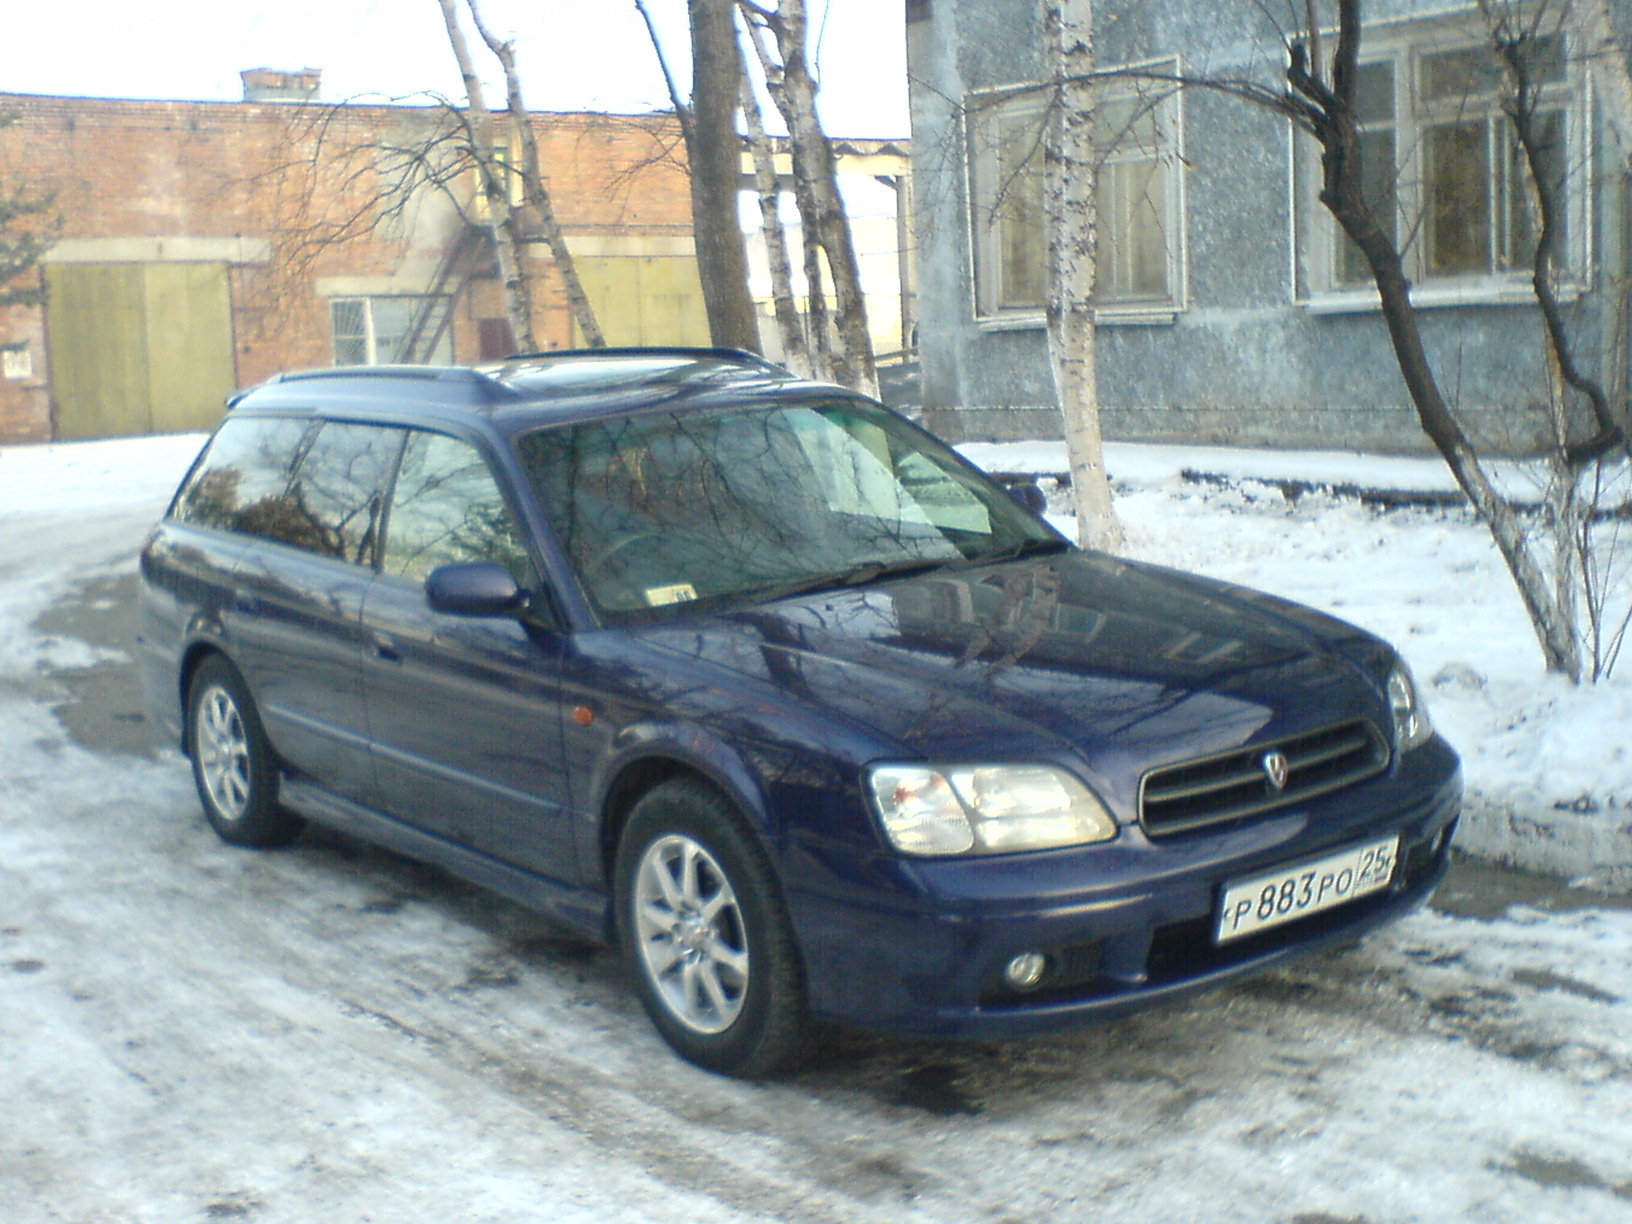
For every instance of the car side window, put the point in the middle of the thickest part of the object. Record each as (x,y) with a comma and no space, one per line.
(332,505)
(240,482)
(448,508)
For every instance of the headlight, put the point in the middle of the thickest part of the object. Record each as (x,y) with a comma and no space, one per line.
(1411,726)
(985,809)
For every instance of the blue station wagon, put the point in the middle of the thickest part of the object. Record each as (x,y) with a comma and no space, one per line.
(762,683)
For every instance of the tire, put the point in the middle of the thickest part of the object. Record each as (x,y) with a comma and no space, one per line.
(705,934)
(234,768)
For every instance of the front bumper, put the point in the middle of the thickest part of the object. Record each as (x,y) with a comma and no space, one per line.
(920,947)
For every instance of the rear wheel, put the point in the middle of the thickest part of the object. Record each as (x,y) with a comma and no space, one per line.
(233,765)
(703,930)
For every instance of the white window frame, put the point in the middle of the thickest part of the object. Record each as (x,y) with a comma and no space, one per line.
(1028,103)
(370,336)
(1405,44)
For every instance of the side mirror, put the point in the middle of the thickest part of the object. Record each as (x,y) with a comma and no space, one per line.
(474,588)
(1029,495)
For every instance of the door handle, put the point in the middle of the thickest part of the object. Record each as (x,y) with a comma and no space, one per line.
(386,648)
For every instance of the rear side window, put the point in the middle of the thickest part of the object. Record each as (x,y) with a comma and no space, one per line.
(332,505)
(240,482)
(314,488)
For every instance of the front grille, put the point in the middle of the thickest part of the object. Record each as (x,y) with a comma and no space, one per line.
(1212,790)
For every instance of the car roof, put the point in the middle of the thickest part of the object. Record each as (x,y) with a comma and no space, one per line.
(533,389)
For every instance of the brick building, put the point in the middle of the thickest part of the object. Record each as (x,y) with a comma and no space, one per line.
(206,245)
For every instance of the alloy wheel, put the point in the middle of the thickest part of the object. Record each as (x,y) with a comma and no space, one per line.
(690,933)
(224,753)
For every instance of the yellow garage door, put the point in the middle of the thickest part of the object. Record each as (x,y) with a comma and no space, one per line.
(138,348)
(644,299)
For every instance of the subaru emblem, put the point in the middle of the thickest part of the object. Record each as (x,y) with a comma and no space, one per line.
(1275,769)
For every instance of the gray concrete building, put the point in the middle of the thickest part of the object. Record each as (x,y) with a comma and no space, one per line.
(1230,307)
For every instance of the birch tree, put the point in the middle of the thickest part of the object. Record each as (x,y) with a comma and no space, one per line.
(1069,176)
(1577,395)
(793,87)
(768,189)
(1324,102)
(494,183)
(535,195)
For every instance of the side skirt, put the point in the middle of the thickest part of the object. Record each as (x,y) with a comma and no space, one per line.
(586,911)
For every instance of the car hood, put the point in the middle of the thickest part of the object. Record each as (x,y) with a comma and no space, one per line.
(1075,656)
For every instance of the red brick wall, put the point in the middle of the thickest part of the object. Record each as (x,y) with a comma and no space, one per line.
(291,176)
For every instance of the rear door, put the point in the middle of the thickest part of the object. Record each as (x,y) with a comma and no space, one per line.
(295,622)
(464,712)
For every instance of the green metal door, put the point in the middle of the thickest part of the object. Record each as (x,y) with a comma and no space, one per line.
(138,348)
(190,365)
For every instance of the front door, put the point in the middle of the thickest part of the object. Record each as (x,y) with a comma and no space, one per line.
(464,712)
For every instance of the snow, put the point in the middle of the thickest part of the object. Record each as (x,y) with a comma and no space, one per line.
(331,1033)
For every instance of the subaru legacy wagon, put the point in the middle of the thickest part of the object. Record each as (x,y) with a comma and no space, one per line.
(765,685)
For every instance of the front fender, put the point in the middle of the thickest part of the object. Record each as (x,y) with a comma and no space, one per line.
(639,755)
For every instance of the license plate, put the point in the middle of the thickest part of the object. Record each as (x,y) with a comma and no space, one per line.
(1288,893)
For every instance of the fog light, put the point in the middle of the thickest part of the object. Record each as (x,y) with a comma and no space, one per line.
(1025,970)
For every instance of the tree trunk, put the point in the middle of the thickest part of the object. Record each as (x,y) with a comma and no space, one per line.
(1069,206)
(793,89)
(1554,630)
(534,192)
(1512,40)
(714,152)
(768,185)
(518,296)
(818,321)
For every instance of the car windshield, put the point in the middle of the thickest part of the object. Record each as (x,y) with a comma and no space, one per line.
(727,507)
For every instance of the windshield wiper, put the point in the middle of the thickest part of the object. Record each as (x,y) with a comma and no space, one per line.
(857,575)
(1031,546)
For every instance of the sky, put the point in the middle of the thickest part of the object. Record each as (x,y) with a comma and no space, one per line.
(573,54)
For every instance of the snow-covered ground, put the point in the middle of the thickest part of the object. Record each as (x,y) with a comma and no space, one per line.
(190,1032)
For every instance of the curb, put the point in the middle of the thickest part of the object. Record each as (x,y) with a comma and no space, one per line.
(1591,849)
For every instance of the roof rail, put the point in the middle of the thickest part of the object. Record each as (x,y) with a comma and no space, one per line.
(736,355)
(428,373)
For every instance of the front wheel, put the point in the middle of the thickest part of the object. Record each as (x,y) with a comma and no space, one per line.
(703,930)
(233,765)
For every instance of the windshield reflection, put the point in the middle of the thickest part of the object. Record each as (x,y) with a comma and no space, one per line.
(722,508)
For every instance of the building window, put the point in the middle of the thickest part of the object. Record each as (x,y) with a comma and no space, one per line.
(405,329)
(1443,170)
(514,187)
(1137,138)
